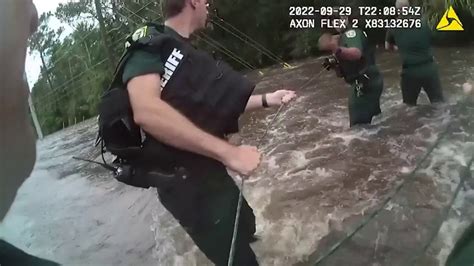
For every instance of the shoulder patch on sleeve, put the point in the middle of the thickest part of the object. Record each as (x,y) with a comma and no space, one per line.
(351,34)
(140,33)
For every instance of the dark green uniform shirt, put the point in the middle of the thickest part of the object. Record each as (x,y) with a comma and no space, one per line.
(142,62)
(356,38)
(414,45)
(419,69)
(362,107)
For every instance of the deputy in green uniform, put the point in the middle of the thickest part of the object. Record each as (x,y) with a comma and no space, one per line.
(419,69)
(354,59)
(186,103)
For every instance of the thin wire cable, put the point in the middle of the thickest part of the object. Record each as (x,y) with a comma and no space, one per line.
(250,38)
(75,77)
(230,261)
(444,216)
(276,59)
(229,53)
(66,93)
(465,174)
(406,180)
(210,42)
(145,7)
(83,39)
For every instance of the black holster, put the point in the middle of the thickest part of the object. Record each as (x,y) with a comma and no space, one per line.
(146,177)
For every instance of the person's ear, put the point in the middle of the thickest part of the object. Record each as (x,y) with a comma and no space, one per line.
(193,3)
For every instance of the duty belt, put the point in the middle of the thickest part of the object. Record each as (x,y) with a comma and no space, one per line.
(359,84)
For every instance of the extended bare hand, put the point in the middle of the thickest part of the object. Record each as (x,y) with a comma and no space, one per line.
(243,159)
(280,97)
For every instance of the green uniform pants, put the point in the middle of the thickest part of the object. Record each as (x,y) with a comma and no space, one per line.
(424,76)
(205,205)
(463,252)
(13,256)
(362,108)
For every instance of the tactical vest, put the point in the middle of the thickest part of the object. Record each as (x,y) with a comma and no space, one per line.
(209,93)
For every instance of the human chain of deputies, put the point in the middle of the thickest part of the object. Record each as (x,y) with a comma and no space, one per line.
(167,114)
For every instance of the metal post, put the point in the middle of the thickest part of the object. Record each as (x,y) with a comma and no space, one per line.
(36,123)
(35,118)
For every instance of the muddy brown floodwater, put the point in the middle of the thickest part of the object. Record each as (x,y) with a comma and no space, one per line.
(317,182)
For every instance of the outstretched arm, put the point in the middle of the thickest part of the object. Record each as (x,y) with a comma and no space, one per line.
(328,42)
(166,124)
(351,54)
(275,98)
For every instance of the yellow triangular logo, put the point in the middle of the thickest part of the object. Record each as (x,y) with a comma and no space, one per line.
(450,21)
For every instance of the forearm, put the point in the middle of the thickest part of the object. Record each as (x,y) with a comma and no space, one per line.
(17,140)
(17,152)
(15,28)
(166,124)
(351,54)
(254,102)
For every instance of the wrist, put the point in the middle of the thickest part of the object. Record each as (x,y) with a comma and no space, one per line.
(264,101)
(224,153)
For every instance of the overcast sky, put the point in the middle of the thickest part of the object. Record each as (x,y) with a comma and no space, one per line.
(33,62)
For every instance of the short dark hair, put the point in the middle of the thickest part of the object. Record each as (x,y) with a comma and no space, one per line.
(172,8)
